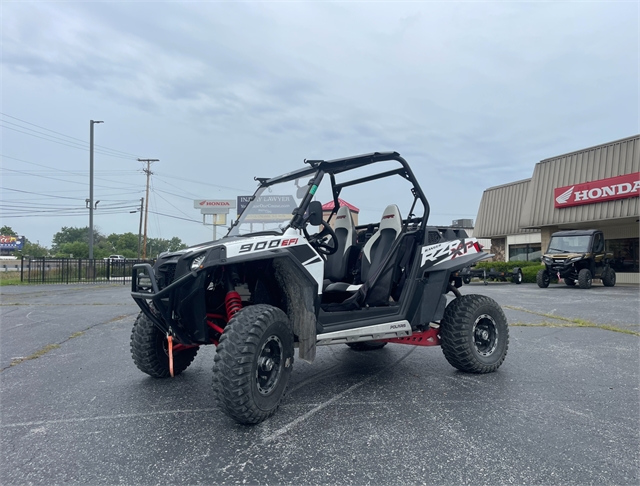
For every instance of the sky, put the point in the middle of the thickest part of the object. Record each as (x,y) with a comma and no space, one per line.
(472,94)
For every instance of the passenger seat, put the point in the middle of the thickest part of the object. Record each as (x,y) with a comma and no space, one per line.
(380,243)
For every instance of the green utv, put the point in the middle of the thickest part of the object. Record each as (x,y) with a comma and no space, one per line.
(577,256)
(284,277)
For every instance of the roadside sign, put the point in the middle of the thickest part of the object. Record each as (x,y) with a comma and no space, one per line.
(267,208)
(214,204)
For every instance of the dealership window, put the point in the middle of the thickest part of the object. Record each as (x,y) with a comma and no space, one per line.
(625,254)
(523,253)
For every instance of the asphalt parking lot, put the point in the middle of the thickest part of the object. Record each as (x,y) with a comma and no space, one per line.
(563,409)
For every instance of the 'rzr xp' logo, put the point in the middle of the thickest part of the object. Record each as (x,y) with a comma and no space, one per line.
(446,251)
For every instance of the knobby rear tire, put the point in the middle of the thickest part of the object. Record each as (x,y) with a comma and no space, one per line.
(465,320)
(609,277)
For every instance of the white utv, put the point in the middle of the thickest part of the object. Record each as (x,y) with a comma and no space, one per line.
(274,283)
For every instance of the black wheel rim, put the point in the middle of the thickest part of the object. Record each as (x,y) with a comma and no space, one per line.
(485,335)
(269,366)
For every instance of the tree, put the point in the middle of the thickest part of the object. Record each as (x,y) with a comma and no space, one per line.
(7,231)
(76,249)
(176,244)
(69,234)
(32,250)
(155,246)
(125,244)
(75,241)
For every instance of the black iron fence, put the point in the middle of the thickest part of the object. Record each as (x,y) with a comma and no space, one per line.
(76,270)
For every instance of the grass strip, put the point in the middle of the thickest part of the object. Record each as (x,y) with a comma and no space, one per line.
(51,347)
(570,322)
(36,355)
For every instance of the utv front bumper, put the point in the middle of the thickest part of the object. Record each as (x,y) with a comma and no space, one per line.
(160,305)
(566,268)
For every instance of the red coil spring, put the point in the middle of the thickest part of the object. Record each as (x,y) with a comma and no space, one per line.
(233,303)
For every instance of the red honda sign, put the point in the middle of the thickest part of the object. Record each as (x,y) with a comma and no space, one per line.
(620,187)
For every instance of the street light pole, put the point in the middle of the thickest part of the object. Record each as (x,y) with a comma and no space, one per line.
(146,207)
(91,123)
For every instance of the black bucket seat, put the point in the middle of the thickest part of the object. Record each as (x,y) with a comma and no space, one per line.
(337,266)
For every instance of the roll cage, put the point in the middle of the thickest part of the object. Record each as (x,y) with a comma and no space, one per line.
(319,168)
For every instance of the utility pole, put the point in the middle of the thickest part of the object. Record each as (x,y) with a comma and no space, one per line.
(91,123)
(140,228)
(146,207)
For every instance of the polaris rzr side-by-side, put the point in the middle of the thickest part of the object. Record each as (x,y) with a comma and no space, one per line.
(284,278)
(577,256)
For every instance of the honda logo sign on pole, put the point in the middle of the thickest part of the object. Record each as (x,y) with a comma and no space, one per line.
(603,190)
(214,203)
(218,208)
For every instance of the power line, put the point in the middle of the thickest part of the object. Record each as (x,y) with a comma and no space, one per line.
(158,227)
(84,215)
(79,173)
(68,209)
(66,144)
(58,133)
(174,207)
(203,183)
(62,180)
(40,194)
(176,195)
(176,217)
(55,169)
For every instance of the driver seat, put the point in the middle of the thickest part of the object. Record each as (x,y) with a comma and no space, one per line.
(337,266)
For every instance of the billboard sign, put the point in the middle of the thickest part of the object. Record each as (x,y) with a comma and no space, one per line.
(267,209)
(11,242)
(602,190)
(214,204)
(243,201)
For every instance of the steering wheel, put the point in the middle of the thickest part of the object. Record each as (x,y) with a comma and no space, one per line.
(323,247)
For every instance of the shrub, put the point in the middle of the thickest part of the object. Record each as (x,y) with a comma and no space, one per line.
(508,266)
(529,269)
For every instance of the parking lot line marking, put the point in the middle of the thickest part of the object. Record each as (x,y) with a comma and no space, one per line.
(332,400)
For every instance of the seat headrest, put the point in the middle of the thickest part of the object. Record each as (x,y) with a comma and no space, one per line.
(391,218)
(343,218)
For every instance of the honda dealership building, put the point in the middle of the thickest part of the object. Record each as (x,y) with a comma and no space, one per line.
(593,188)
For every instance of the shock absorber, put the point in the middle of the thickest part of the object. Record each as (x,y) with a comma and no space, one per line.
(232,301)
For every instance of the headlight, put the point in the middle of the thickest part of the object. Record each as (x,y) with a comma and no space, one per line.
(575,259)
(197,261)
(547,260)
